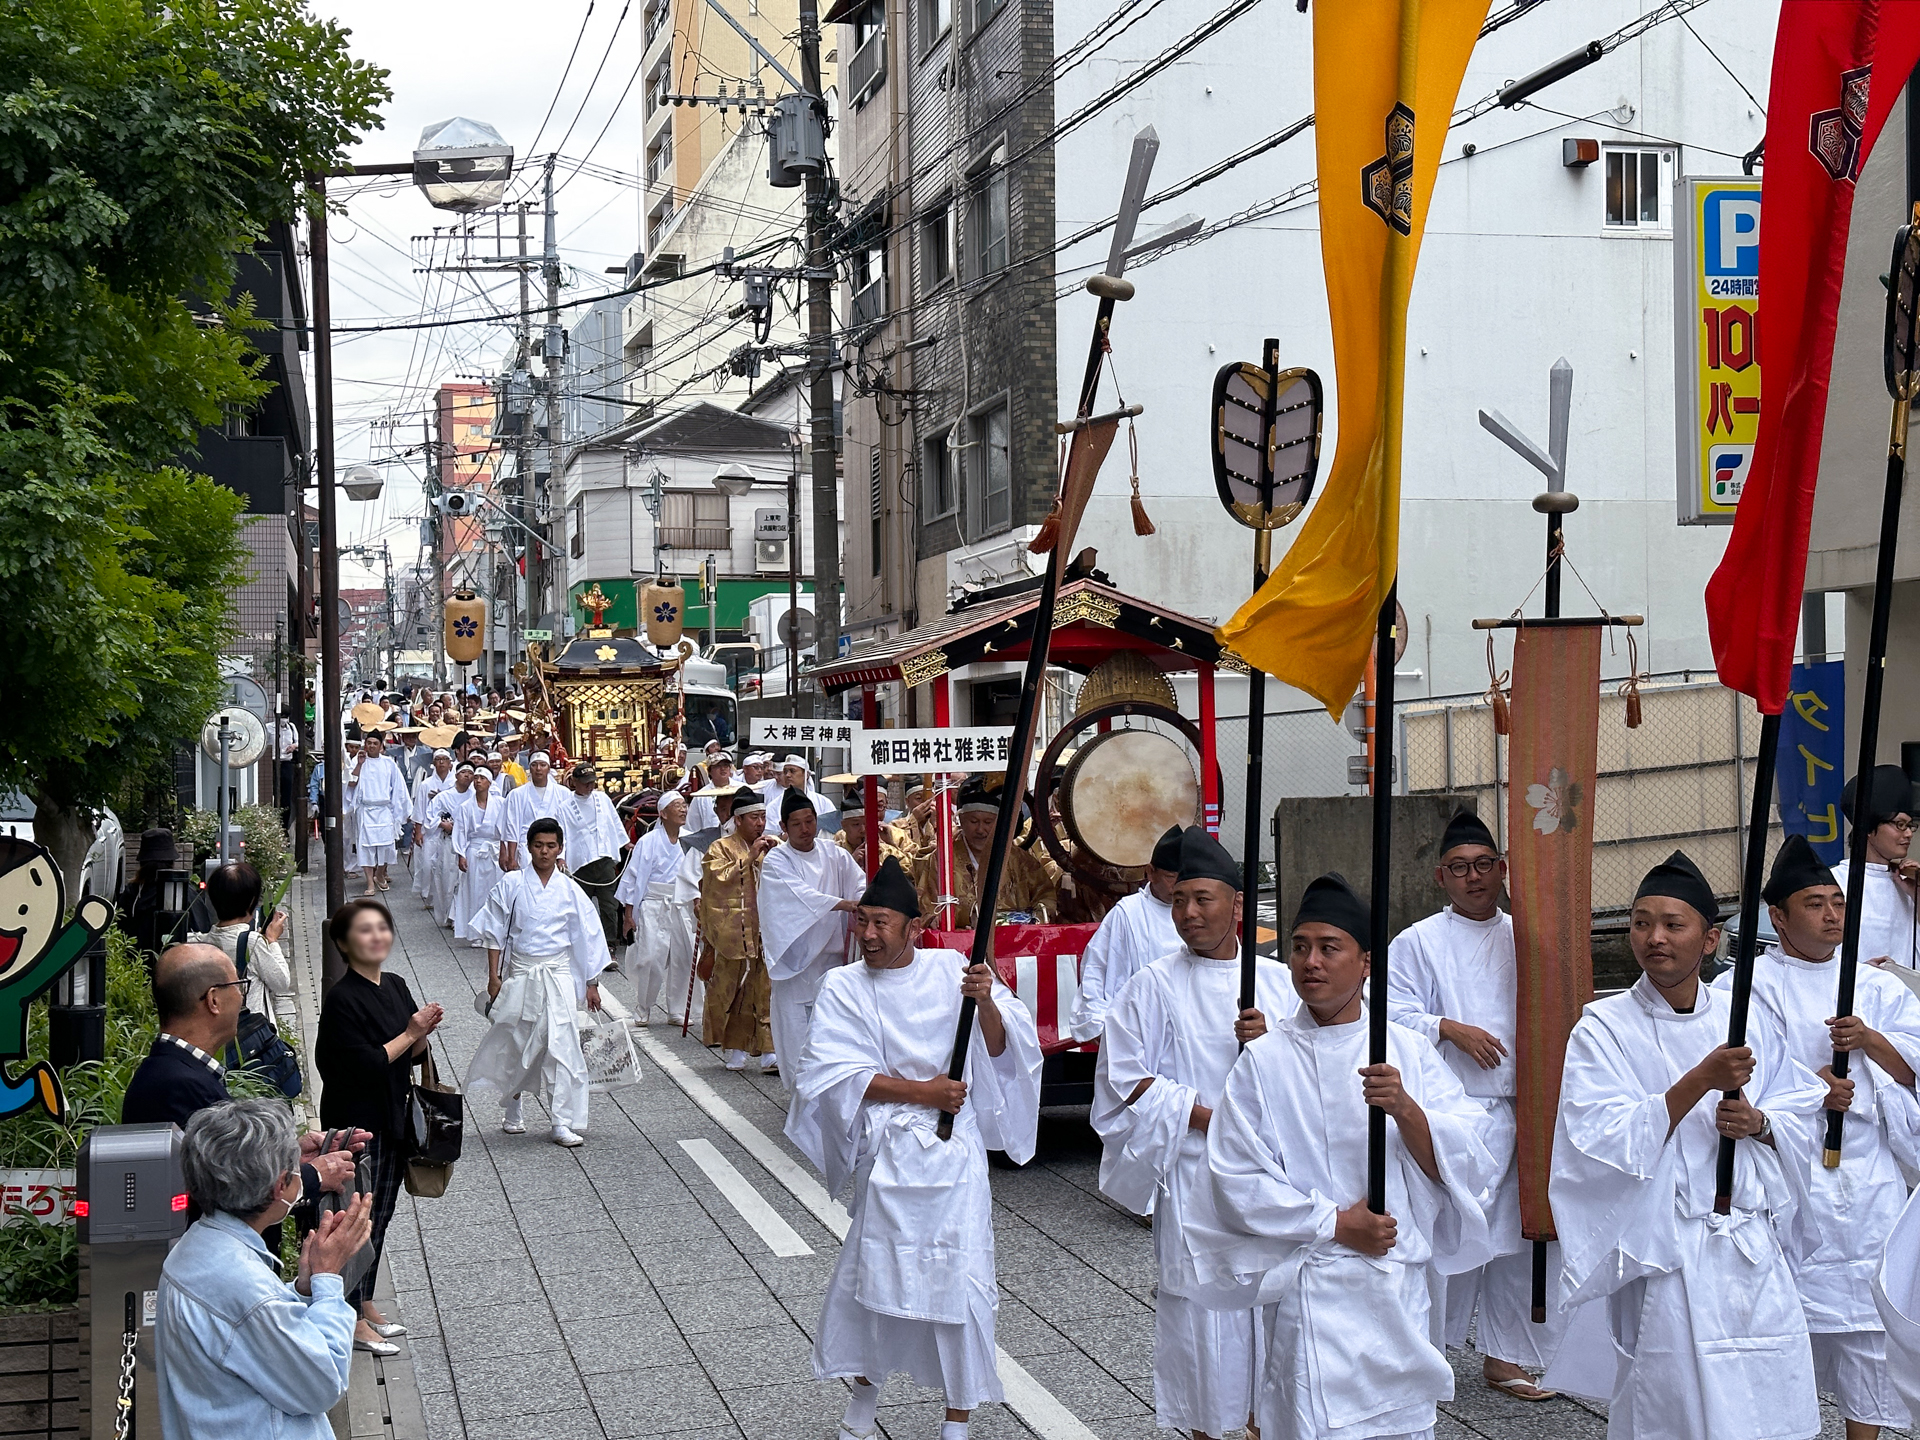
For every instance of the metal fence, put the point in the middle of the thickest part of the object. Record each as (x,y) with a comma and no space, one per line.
(1682,780)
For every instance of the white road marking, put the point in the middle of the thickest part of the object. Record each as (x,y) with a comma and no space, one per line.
(781,1237)
(1026,1396)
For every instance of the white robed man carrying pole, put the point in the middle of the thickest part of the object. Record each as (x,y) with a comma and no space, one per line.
(914,1287)
(1353,1346)
(1452,977)
(1851,1208)
(808,894)
(1171,1037)
(542,920)
(662,925)
(1708,1341)
(1132,935)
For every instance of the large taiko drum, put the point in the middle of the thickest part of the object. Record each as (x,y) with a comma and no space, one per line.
(1121,792)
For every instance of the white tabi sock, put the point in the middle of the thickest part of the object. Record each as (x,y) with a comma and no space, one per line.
(953,1430)
(862,1405)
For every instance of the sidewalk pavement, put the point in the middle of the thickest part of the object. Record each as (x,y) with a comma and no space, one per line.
(666,1277)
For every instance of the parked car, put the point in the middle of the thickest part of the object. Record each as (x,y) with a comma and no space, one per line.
(105,858)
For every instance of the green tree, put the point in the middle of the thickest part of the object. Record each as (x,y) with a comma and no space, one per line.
(141,148)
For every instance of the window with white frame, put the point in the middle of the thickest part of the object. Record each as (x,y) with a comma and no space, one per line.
(987,215)
(1638,184)
(991,471)
(939,487)
(936,245)
(936,18)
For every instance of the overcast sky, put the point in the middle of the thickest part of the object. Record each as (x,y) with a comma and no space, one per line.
(502,64)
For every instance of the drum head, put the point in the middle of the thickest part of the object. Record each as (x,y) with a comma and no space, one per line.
(1123,790)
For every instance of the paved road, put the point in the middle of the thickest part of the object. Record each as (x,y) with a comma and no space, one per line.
(662,1280)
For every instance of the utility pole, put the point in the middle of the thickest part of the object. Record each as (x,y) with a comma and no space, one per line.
(553,348)
(523,458)
(826,479)
(437,641)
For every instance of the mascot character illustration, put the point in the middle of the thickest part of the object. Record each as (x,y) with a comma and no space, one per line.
(34,951)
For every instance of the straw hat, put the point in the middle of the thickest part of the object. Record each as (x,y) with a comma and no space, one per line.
(368,713)
(439,735)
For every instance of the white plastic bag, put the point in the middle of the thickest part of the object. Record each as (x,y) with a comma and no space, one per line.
(612,1061)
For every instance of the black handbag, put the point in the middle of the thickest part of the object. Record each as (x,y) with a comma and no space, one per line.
(256,1044)
(362,1260)
(436,1124)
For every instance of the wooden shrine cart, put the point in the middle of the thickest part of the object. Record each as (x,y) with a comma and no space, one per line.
(1115,774)
(609,700)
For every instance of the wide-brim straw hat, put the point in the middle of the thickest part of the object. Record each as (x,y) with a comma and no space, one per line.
(367,713)
(439,735)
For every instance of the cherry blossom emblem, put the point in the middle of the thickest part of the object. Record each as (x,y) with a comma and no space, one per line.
(1555,804)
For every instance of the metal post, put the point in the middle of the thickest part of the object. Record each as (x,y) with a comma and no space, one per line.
(226,739)
(523,449)
(334,748)
(793,587)
(554,347)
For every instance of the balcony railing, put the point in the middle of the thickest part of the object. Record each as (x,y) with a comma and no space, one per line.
(658,20)
(868,67)
(697,537)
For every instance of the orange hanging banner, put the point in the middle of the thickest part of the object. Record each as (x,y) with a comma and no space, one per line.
(1552,765)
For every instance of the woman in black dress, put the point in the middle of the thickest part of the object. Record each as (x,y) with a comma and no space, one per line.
(371,1036)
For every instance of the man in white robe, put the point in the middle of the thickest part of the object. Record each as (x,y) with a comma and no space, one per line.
(442,820)
(808,893)
(538,799)
(662,927)
(914,1286)
(1850,1209)
(376,792)
(796,776)
(547,925)
(1354,1336)
(477,827)
(703,811)
(426,846)
(1171,1036)
(1887,934)
(1708,1338)
(1132,935)
(594,840)
(1451,977)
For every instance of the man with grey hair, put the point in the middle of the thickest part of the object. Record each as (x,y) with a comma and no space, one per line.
(238,1351)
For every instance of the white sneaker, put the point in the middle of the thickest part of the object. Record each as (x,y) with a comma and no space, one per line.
(734,1059)
(511,1121)
(563,1136)
(769,1063)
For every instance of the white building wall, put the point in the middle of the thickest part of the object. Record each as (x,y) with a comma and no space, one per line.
(1517,270)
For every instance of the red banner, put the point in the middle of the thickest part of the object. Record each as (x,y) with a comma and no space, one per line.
(1838,66)
(1552,762)
(1040,964)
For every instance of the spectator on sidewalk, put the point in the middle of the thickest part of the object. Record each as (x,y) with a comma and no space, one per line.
(234,892)
(239,1352)
(371,1035)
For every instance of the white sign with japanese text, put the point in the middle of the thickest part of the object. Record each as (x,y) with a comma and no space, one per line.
(890,752)
(44,1196)
(802,734)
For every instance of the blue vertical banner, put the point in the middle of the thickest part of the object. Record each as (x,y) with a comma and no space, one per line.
(1812,756)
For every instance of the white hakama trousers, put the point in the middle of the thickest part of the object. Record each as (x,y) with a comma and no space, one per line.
(443,876)
(534,1045)
(1851,1366)
(956,1359)
(374,836)
(1205,1365)
(791,1014)
(483,872)
(1718,1349)
(662,946)
(1502,1291)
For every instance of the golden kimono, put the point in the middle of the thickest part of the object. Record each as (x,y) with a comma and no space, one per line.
(740,994)
(1025,886)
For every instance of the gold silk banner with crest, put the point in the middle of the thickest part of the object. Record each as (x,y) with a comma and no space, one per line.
(1552,760)
(1386,74)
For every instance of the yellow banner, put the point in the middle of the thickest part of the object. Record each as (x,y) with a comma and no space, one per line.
(1386,75)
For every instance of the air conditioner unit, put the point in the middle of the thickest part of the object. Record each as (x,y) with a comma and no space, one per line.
(770,555)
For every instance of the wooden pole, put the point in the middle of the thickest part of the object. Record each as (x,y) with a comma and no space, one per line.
(1746,942)
(1257,693)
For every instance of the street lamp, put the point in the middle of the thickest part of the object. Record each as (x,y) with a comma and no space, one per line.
(460,165)
(363,482)
(735,479)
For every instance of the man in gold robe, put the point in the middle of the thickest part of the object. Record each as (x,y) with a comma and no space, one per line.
(1028,893)
(853,838)
(739,990)
(912,834)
